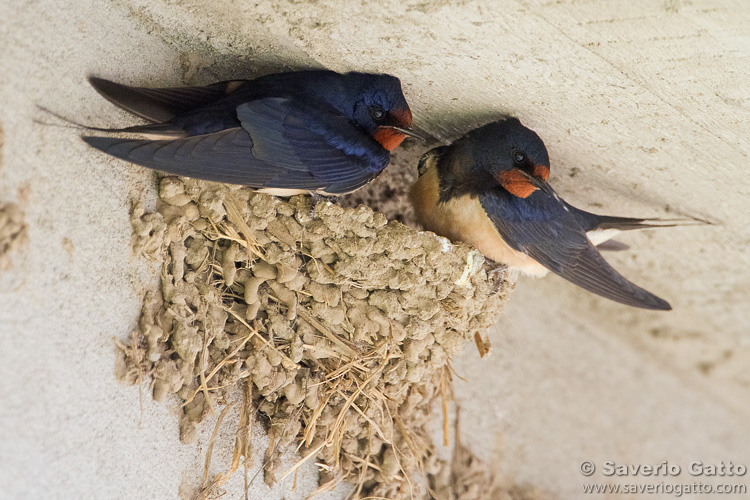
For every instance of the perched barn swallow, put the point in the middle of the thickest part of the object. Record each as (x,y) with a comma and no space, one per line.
(489,189)
(287,133)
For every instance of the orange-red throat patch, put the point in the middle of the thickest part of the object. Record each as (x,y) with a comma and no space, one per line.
(389,138)
(516,183)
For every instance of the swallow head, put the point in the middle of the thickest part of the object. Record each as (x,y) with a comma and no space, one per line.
(381,109)
(508,154)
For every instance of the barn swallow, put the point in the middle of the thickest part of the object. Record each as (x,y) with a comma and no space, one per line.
(490,189)
(287,133)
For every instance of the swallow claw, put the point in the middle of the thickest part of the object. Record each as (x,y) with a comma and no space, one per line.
(494,272)
(317,198)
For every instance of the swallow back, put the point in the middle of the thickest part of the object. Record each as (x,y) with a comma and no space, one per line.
(316,131)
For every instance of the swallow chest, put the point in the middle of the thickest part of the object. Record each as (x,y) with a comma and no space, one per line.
(463,219)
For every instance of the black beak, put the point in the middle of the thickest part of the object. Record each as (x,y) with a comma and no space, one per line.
(406,131)
(538,183)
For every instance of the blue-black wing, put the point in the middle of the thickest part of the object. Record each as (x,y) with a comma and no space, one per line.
(544,229)
(282,143)
(162,104)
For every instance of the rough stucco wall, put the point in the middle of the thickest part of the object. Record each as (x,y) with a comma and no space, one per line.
(644,109)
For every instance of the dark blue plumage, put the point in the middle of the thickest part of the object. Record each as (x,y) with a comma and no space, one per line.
(316,131)
(490,189)
(542,227)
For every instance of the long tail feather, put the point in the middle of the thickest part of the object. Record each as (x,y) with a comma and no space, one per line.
(161,104)
(154,130)
(628,224)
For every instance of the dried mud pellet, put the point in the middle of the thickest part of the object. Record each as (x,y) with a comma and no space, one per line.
(221,340)
(275,253)
(287,271)
(285,209)
(437,355)
(161,389)
(415,372)
(386,301)
(398,332)
(251,289)
(318,249)
(287,297)
(186,341)
(252,310)
(297,350)
(280,327)
(312,395)
(228,266)
(326,294)
(188,432)
(330,315)
(364,329)
(201,225)
(197,252)
(357,292)
(263,206)
(261,238)
(156,347)
(186,369)
(191,211)
(262,370)
(243,274)
(294,393)
(263,269)
(383,322)
(172,191)
(277,380)
(298,282)
(389,466)
(281,233)
(196,410)
(415,348)
(211,205)
(121,366)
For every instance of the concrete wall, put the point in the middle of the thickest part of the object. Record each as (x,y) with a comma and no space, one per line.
(643,106)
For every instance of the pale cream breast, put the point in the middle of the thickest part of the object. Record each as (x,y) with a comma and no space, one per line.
(464,219)
(282,192)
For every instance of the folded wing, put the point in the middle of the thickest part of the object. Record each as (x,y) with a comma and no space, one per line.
(161,104)
(544,229)
(281,144)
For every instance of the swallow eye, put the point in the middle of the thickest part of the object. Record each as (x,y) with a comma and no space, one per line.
(519,157)
(377,113)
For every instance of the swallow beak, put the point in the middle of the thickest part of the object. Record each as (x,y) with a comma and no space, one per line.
(538,183)
(406,131)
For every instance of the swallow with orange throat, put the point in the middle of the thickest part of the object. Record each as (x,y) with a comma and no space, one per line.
(287,133)
(490,189)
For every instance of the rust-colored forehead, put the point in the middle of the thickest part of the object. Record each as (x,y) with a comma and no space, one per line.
(541,171)
(402,116)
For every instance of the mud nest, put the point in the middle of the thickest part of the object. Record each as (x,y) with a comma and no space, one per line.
(336,327)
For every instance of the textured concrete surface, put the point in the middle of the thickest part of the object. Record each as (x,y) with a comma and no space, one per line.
(645,110)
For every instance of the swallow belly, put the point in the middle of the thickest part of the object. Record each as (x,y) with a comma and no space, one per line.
(463,219)
(282,192)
